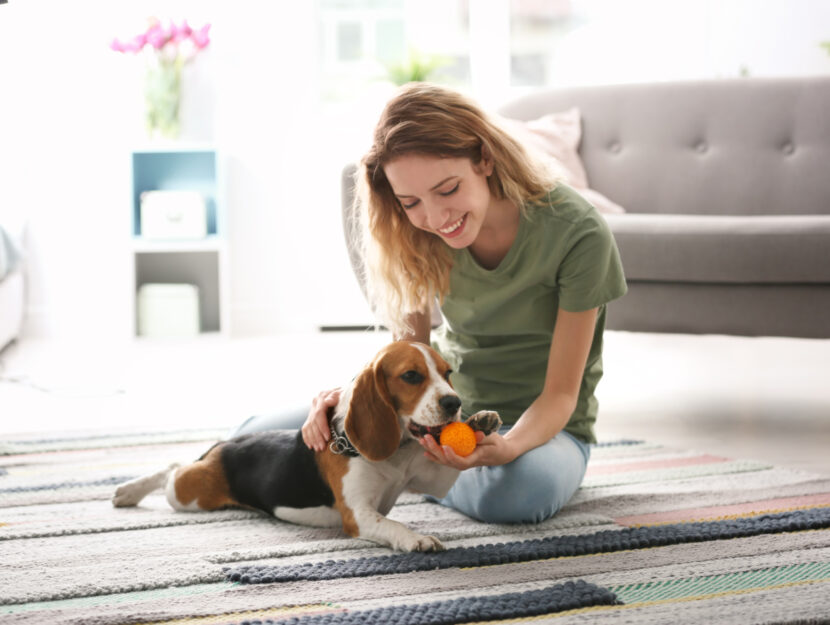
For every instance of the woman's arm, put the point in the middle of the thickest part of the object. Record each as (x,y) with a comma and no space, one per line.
(421,324)
(550,412)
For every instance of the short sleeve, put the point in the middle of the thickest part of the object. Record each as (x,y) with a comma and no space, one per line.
(591,273)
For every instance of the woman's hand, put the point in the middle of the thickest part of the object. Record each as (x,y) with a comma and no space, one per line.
(490,450)
(316,430)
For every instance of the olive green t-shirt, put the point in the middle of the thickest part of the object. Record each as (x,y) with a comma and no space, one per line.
(498,324)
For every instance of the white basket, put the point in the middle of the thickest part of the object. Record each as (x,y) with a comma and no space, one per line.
(173,215)
(168,310)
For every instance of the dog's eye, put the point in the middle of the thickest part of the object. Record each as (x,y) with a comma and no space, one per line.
(447,374)
(412,377)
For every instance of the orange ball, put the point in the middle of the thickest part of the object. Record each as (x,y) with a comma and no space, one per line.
(460,437)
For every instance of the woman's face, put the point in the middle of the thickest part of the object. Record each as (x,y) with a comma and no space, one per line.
(448,197)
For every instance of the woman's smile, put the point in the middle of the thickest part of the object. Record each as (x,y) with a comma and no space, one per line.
(455,228)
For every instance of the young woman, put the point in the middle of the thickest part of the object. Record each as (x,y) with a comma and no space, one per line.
(454,209)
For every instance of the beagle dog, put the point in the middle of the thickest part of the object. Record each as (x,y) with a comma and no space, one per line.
(373,456)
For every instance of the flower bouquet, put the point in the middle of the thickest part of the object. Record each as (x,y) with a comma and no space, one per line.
(171,47)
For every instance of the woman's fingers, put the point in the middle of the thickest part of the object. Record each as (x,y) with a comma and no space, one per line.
(316,431)
(444,454)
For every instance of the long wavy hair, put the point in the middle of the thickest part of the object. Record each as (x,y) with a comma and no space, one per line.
(408,268)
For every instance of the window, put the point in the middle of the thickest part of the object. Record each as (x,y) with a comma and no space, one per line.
(349,41)
(370,41)
(536,27)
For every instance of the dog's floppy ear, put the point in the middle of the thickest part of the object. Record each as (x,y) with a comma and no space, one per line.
(371,422)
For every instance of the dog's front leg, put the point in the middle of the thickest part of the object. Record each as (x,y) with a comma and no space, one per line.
(365,489)
(365,522)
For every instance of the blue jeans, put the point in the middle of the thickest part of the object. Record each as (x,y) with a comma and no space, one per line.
(532,488)
(291,419)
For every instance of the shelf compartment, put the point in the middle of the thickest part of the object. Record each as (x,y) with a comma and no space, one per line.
(201,268)
(171,170)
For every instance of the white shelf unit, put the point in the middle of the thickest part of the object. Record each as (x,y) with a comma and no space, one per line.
(202,262)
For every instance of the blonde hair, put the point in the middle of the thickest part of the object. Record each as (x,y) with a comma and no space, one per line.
(407,268)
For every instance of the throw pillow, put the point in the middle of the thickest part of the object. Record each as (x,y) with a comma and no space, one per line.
(555,139)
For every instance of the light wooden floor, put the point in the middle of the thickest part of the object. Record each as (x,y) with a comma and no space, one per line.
(756,398)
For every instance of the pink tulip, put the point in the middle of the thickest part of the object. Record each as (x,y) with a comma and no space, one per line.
(156,37)
(167,41)
(184,31)
(200,37)
(133,45)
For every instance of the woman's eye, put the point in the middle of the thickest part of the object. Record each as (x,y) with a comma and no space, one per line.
(412,377)
(412,204)
(451,191)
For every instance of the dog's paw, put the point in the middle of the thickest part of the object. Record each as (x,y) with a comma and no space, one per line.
(127,496)
(487,421)
(419,542)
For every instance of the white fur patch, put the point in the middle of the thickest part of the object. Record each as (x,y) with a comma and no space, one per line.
(319,516)
(428,411)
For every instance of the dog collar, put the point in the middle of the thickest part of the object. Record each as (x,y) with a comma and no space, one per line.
(341,445)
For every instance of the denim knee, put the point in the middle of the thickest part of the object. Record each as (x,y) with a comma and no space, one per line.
(519,493)
(530,489)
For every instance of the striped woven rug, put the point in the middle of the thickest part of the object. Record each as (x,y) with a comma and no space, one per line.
(655,535)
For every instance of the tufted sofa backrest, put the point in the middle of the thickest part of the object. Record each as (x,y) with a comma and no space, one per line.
(726,147)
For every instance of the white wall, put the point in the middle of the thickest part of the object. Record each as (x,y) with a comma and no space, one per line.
(646,40)
(63,161)
(70,111)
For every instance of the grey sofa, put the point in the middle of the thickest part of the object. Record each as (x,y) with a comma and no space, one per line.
(726,186)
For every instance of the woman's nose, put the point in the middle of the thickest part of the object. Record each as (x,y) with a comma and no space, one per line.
(436,216)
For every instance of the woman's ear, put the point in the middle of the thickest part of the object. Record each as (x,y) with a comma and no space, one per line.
(371,422)
(487,163)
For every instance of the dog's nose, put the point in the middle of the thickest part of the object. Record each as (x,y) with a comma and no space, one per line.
(450,404)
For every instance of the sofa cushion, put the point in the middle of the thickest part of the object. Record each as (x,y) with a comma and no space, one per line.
(724,249)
